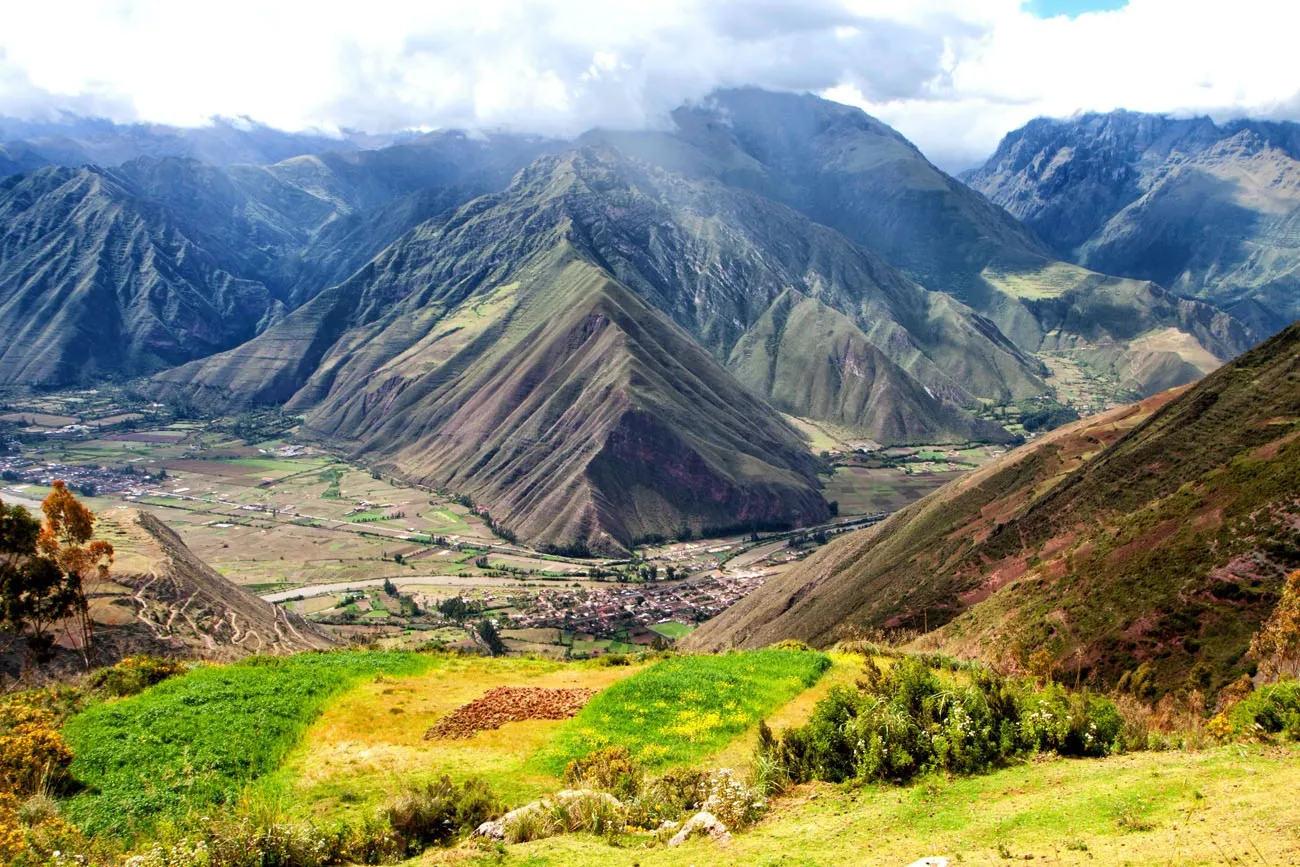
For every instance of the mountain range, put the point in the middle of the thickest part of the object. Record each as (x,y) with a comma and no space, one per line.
(1155,536)
(594,340)
(73,140)
(1208,210)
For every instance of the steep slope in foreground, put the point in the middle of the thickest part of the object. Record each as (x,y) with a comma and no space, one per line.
(1210,211)
(164,599)
(1165,547)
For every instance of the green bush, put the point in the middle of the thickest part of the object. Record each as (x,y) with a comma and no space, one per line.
(1071,724)
(439,811)
(567,812)
(611,769)
(669,797)
(1271,709)
(135,674)
(908,721)
(248,840)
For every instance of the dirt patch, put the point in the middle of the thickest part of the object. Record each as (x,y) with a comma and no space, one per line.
(506,704)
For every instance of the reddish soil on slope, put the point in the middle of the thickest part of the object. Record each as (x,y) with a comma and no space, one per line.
(506,704)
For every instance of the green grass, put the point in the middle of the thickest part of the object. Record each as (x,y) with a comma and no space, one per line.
(274,465)
(672,629)
(195,741)
(685,708)
(1226,805)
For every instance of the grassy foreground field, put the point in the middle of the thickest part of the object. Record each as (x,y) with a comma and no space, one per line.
(1228,805)
(198,740)
(331,738)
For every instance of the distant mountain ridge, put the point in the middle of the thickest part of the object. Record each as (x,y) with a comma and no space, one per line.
(125,271)
(74,141)
(1208,210)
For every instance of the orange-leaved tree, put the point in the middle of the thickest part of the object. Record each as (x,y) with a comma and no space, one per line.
(1277,644)
(68,539)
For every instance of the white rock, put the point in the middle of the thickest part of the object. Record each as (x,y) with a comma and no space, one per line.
(492,830)
(701,823)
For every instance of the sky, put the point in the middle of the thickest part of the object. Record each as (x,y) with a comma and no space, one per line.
(952,75)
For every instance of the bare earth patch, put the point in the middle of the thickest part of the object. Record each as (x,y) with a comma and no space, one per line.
(506,704)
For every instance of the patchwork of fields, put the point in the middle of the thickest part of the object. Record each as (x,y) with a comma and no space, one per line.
(370,557)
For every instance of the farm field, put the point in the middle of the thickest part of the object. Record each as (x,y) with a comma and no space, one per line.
(861,490)
(197,740)
(370,740)
(672,629)
(349,730)
(684,709)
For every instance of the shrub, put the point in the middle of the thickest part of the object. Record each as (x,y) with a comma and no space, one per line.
(439,811)
(908,721)
(567,812)
(1277,644)
(611,769)
(268,840)
(594,812)
(736,804)
(12,843)
(135,674)
(668,797)
(1271,709)
(1177,721)
(33,755)
(1071,724)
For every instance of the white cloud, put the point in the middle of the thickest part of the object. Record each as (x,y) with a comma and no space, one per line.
(954,75)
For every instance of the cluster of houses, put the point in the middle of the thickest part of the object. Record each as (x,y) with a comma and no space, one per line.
(17,472)
(604,611)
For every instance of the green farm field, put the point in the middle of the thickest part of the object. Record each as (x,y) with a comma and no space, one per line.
(331,737)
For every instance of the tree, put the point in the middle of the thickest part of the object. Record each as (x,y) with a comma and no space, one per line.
(487,631)
(33,592)
(1277,644)
(68,539)
(44,571)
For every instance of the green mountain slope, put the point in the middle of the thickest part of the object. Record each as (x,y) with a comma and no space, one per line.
(813,361)
(718,262)
(1157,534)
(1210,211)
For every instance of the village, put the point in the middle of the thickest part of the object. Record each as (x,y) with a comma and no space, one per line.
(605,612)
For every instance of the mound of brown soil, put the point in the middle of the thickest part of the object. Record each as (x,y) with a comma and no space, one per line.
(506,704)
